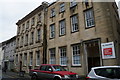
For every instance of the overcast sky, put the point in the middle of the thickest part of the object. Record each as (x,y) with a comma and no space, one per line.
(13,10)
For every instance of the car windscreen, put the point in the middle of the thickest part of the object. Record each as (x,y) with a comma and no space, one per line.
(59,68)
(113,73)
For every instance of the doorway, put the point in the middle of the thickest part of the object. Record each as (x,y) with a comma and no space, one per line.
(93,57)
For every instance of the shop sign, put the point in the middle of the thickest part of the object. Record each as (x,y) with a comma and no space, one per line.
(108,50)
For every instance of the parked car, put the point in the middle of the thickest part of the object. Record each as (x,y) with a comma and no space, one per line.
(104,73)
(52,72)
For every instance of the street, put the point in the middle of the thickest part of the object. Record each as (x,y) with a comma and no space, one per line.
(14,76)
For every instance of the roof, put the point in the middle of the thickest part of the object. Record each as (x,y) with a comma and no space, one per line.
(32,13)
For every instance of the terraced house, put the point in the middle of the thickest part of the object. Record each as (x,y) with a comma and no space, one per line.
(30,39)
(71,34)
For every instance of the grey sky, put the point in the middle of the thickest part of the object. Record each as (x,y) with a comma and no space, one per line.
(13,10)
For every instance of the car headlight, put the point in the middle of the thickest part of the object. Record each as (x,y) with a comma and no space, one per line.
(66,76)
(77,76)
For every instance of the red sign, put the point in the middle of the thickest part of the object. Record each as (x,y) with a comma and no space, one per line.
(107,51)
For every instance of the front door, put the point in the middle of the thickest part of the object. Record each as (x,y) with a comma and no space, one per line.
(93,54)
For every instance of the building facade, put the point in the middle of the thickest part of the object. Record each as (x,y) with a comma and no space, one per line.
(69,34)
(75,31)
(9,47)
(31,49)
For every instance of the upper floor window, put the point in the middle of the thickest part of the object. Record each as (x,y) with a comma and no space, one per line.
(76,55)
(26,39)
(74,23)
(33,21)
(23,27)
(73,3)
(38,34)
(89,18)
(18,29)
(39,17)
(27,25)
(62,7)
(52,12)
(52,31)
(63,56)
(62,27)
(32,37)
(52,56)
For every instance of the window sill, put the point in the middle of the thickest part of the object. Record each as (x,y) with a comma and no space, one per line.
(62,35)
(76,65)
(74,31)
(89,27)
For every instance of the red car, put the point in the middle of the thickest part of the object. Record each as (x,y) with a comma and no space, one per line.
(52,72)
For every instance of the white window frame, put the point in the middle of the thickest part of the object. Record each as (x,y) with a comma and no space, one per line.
(73,3)
(77,54)
(74,23)
(62,7)
(63,56)
(52,12)
(37,59)
(62,27)
(52,53)
(52,31)
(89,18)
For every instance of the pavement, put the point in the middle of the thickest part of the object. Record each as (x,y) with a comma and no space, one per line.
(14,76)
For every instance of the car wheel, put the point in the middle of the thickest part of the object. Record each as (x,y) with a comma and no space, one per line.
(56,79)
(34,77)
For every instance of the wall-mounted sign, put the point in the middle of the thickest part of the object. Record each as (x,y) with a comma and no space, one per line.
(108,50)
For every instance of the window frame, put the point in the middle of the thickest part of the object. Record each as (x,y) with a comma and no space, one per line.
(52,31)
(62,28)
(78,45)
(63,54)
(52,12)
(93,18)
(62,7)
(53,58)
(37,59)
(73,25)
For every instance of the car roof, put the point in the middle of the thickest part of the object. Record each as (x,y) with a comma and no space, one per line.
(106,67)
(51,64)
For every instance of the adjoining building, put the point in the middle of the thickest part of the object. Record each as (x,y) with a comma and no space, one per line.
(31,44)
(8,49)
(69,34)
(119,8)
(75,32)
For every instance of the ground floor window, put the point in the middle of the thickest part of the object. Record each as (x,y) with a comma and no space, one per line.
(76,55)
(37,58)
(52,56)
(63,58)
(31,58)
(25,59)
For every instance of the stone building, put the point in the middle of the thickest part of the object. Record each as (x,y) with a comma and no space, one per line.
(75,32)
(69,34)
(8,49)
(31,49)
